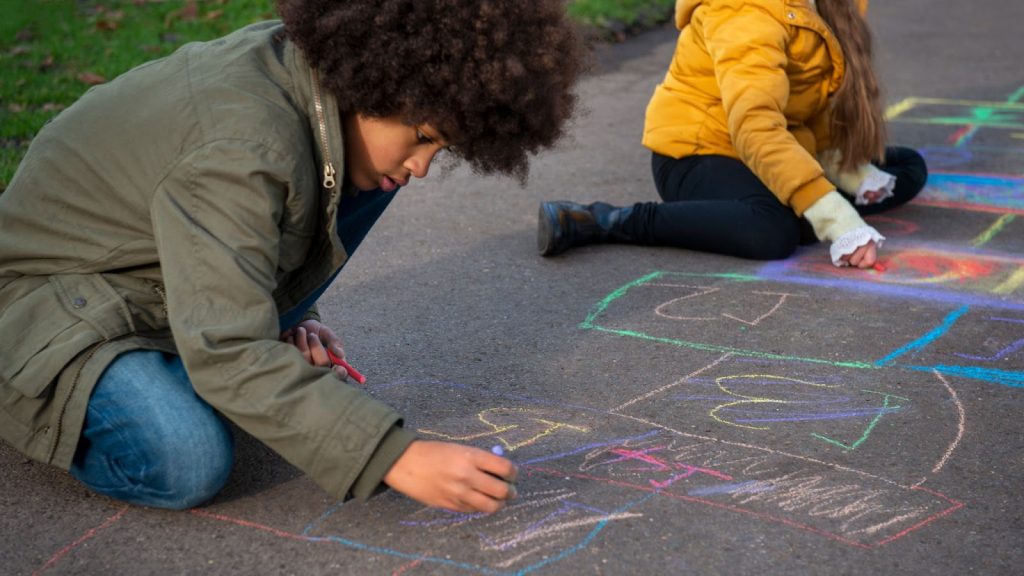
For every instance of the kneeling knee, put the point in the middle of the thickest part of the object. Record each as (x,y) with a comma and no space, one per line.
(190,472)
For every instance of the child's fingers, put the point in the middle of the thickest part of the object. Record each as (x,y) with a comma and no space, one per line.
(480,502)
(330,339)
(317,353)
(863,256)
(498,477)
(495,465)
(302,342)
(868,255)
(495,488)
(340,372)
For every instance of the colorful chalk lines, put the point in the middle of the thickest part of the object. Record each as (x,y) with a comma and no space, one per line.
(785,413)
(586,470)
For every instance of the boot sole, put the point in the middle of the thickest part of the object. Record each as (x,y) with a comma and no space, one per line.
(547,221)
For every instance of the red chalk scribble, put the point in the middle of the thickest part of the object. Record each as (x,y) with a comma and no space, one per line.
(88,534)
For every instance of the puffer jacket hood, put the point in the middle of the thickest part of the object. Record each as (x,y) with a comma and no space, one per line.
(685,8)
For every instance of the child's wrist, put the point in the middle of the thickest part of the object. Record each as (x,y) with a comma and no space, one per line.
(832,216)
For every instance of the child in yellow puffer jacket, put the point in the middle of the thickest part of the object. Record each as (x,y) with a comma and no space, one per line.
(769,108)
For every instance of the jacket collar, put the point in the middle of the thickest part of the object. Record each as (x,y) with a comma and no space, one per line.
(325,128)
(802,13)
(795,13)
(329,134)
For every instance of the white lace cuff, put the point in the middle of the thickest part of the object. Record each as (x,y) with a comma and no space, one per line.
(848,243)
(875,179)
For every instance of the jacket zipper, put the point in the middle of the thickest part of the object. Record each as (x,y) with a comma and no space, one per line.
(163,298)
(329,171)
(55,442)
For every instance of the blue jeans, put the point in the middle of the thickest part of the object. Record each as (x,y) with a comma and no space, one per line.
(148,439)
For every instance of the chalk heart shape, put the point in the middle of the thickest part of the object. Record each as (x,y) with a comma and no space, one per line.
(764,398)
(767,401)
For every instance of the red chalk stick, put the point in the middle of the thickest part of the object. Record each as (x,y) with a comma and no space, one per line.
(879,267)
(348,367)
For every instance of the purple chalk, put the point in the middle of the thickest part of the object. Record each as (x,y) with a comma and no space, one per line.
(497,450)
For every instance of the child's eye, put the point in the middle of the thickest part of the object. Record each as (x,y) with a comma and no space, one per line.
(423,138)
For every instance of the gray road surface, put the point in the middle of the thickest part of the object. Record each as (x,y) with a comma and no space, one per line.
(671,412)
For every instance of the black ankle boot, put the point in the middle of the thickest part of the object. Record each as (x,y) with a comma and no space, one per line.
(563,225)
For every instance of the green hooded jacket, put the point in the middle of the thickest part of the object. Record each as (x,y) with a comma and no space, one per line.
(183,207)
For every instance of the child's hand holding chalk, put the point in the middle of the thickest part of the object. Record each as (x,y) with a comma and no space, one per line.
(318,344)
(454,476)
(339,361)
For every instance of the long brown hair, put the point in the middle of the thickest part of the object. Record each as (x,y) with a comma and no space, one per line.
(858,123)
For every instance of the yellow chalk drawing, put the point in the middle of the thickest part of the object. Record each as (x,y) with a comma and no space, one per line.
(1011,284)
(1001,115)
(502,431)
(754,399)
(899,108)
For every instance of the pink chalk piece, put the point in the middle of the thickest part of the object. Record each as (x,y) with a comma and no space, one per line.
(879,267)
(348,367)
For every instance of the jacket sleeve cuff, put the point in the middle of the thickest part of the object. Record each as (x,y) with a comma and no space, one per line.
(856,182)
(875,180)
(371,480)
(311,314)
(832,216)
(849,243)
(810,193)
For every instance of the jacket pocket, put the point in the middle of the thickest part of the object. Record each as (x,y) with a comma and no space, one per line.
(52,324)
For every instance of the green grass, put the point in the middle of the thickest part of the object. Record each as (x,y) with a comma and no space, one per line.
(52,50)
(620,13)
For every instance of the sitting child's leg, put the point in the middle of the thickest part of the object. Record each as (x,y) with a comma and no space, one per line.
(711,204)
(716,204)
(149,439)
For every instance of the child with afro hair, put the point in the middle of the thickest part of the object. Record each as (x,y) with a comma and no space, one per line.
(167,236)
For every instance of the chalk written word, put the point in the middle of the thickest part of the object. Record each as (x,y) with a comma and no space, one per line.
(513,427)
(846,505)
(537,525)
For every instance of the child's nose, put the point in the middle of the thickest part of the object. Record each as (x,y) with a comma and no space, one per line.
(419,164)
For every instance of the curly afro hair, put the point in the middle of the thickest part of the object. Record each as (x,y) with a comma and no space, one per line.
(496,76)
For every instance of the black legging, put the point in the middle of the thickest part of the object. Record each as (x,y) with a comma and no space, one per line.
(716,204)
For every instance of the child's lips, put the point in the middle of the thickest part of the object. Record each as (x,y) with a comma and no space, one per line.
(389,184)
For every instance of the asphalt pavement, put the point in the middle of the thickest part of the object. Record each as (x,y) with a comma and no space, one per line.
(671,412)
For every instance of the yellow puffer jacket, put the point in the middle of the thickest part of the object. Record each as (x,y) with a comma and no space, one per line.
(751,79)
